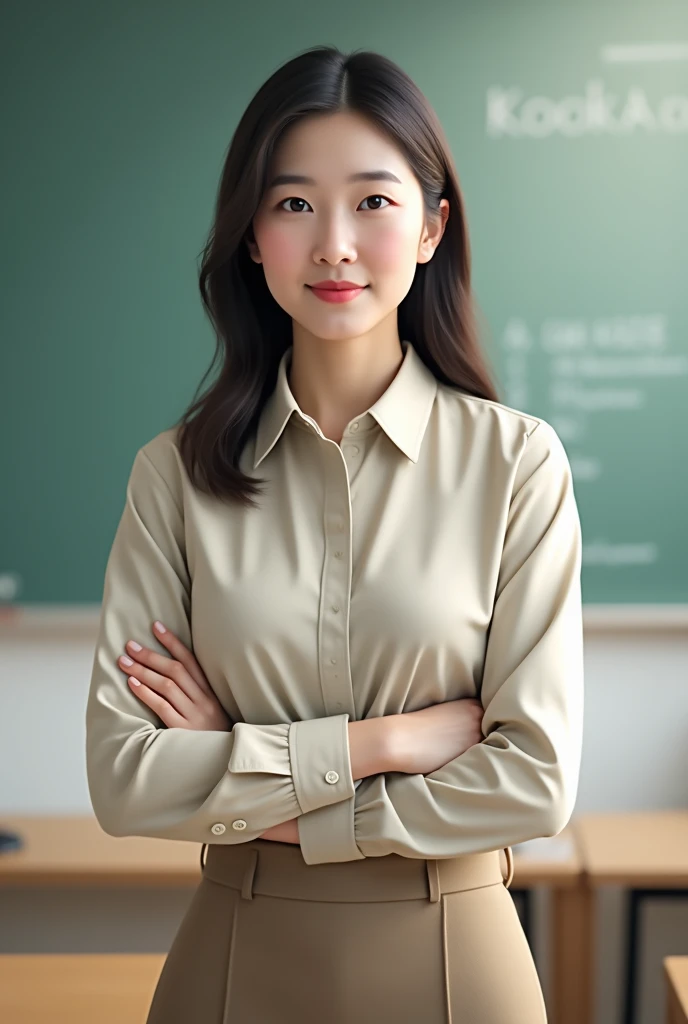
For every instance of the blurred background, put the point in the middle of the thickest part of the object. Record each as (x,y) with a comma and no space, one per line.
(569,127)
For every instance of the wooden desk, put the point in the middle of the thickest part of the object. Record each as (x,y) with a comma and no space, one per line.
(676,979)
(647,853)
(74,851)
(556,862)
(54,988)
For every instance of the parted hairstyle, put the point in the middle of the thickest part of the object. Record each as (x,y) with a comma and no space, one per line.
(438,315)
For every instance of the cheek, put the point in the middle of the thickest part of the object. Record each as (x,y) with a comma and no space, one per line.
(279,249)
(391,247)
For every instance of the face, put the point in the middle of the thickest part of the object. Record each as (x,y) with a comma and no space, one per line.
(371,231)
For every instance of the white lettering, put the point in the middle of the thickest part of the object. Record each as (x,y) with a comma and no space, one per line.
(637,113)
(592,112)
(517,337)
(630,366)
(636,333)
(599,108)
(673,113)
(601,552)
(569,428)
(585,468)
(500,115)
(563,335)
(594,399)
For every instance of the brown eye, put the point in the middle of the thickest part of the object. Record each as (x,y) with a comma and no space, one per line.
(295,199)
(377,197)
(291,199)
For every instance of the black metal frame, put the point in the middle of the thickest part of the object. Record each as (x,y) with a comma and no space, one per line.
(527,915)
(635,898)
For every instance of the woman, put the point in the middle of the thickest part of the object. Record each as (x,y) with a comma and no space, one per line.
(368,684)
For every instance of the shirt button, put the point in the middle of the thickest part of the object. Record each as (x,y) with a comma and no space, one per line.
(218,828)
(333,661)
(332,777)
(335,607)
(354,427)
(338,554)
(239,824)
(353,449)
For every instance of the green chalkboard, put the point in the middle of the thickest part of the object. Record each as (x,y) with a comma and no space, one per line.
(569,125)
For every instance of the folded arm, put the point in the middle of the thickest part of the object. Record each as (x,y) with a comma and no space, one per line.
(149,780)
(520,782)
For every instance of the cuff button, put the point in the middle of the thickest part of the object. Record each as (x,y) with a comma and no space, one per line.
(239,824)
(218,828)
(332,777)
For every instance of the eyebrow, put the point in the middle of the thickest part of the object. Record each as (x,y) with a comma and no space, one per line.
(302,179)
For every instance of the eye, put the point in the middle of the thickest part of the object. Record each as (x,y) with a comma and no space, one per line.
(377,197)
(295,199)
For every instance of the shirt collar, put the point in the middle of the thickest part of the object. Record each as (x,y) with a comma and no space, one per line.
(402,410)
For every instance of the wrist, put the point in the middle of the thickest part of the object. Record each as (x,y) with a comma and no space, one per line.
(284,832)
(389,743)
(372,746)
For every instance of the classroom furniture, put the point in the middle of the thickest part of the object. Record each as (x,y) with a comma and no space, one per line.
(676,981)
(81,988)
(74,851)
(57,988)
(555,862)
(646,852)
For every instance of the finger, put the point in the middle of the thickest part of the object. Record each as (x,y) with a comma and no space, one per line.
(167,668)
(158,704)
(182,654)
(166,687)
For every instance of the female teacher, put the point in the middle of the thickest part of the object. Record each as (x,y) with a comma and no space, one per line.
(340,643)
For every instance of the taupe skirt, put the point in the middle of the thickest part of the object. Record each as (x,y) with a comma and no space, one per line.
(269,939)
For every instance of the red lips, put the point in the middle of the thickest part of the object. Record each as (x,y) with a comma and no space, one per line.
(338,286)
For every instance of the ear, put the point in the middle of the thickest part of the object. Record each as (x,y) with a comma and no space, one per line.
(252,247)
(434,229)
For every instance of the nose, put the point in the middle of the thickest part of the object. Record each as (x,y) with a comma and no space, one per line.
(334,240)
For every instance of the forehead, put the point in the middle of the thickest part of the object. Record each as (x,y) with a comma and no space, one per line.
(342,147)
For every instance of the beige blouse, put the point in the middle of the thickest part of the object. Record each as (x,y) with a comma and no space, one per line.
(433,554)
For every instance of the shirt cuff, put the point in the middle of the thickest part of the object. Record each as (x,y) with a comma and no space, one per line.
(321,761)
(327,834)
(260,748)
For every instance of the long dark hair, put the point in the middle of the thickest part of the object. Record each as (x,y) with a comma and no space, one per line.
(438,315)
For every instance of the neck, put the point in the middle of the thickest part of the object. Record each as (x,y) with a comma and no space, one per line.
(335,381)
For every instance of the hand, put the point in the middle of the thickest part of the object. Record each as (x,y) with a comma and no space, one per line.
(423,741)
(175,689)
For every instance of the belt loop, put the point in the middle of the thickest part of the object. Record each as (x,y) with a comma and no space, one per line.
(247,884)
(509,866)
(433,871)
(204,847)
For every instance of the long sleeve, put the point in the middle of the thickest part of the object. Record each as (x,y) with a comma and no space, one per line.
(149,780)
(521,781)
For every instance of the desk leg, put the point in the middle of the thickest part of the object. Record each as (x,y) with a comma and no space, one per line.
(573,959)
(636,898)
(524,896)
(633,899)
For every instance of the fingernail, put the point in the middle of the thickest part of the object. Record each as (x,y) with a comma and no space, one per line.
(159,626)
(132,645)
(125,660)
(134,681)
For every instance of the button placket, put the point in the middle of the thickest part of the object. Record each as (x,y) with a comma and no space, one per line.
(333,639)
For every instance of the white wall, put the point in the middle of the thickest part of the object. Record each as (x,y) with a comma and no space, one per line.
(635,757)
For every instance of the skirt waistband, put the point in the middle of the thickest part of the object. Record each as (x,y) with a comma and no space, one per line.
(271,868)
